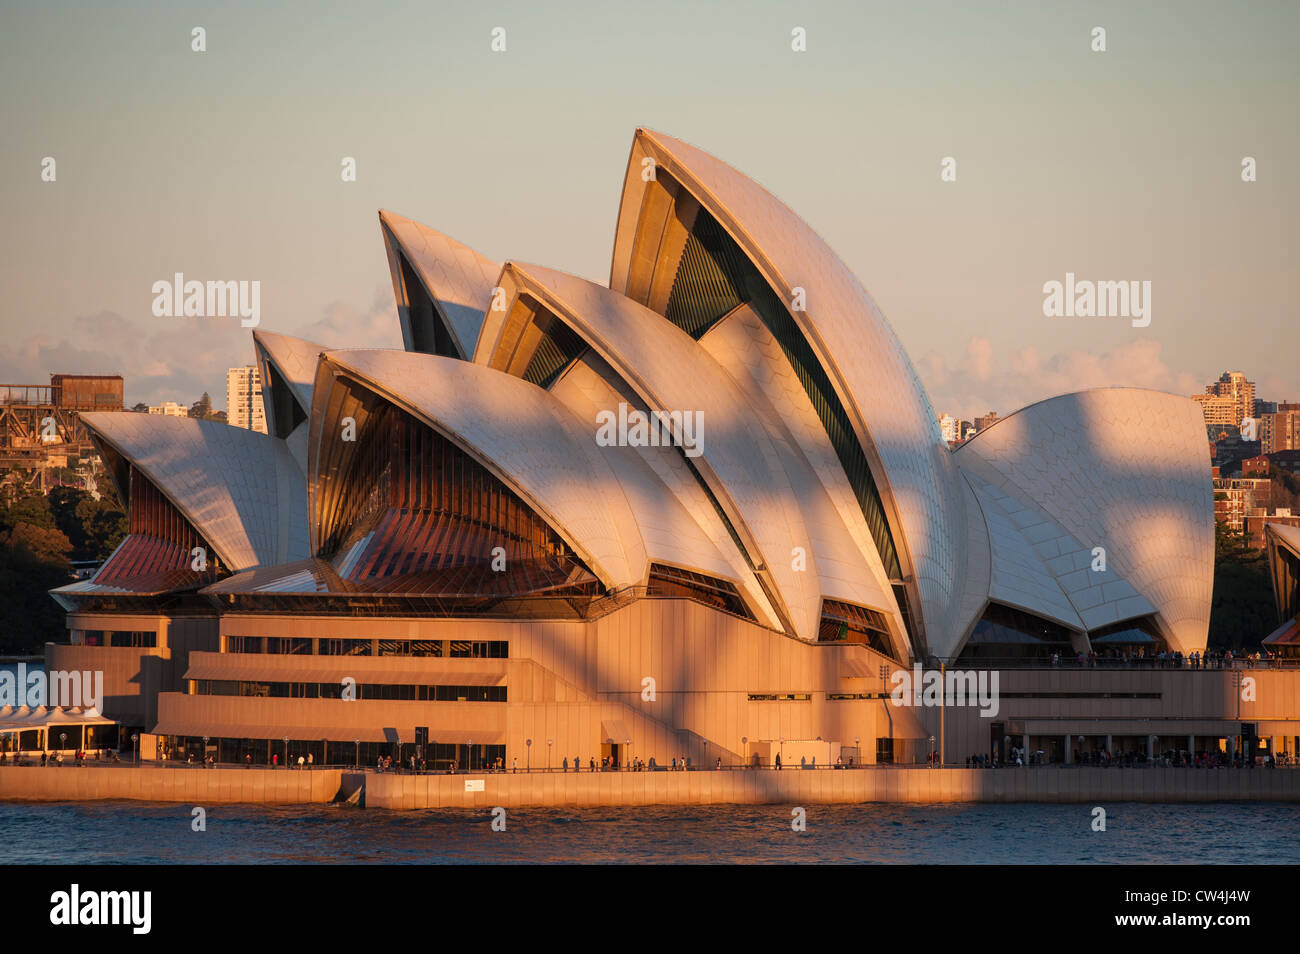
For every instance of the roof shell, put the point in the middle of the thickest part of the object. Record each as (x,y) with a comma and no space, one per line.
(521,434)
(240,489)
(458,279)
(876,382)
(1124,469)
(669,371)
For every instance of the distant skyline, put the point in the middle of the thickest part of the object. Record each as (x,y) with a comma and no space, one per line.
(225,165)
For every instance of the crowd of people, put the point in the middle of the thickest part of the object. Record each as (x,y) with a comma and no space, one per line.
(1131,758)
(1166,659)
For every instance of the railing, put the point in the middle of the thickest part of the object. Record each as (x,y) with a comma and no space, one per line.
(1112,664)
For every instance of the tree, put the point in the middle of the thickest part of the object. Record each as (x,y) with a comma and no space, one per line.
(33,560)
(202,407)
(140,408)
(1241,611)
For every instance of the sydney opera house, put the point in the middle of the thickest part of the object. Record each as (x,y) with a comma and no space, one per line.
(440,547)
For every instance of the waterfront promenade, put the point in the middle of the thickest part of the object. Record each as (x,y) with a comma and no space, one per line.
(897,784)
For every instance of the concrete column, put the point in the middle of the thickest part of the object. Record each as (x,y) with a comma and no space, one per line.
(1232,747)
(1109,750)
(1151,747)
(1069,759)
(1026,745)
(1191,746)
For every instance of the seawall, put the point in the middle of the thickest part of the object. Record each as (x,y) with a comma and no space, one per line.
(828,786)
(197,786)
(559,790)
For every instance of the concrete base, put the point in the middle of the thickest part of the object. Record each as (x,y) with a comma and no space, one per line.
(739,787)
(795,787)
(197,786)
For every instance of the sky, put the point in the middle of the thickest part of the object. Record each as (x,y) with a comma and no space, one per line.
(1122,165)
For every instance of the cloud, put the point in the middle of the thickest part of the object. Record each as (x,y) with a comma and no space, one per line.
(177,359)
(983,381)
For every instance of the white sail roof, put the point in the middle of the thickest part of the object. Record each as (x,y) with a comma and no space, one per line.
(240,489)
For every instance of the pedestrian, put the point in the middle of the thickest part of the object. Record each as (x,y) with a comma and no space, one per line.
(778,761)
(515,768)
(565,764)
(311,759)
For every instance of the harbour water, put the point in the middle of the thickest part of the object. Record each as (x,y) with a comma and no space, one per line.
(1136,833)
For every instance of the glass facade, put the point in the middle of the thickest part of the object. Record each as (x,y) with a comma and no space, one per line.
(674,581)
(360,646)
(714,277)
(428,331)
(334,690)
(847,622)
(1007,633)
(408,512)
(158,553)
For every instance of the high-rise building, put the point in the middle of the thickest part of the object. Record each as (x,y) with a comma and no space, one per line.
(244,399)
(988,420)
(1280,431)
(950,427)
(1228,400)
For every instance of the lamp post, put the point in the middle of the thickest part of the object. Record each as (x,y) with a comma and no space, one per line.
(932,751)
(528,747)
(469,755)
(744,750)
(205,752)
(135,740)
(781,750)
(628,754)
(286,751)
(548,754)
(356,762)
(857,745)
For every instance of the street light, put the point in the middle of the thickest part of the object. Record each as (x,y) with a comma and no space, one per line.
(135,739)
(931,751)
(857,744)
(548,754)
(286,751)
(628,754)
(356,763)
(744,745)
(205,750)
